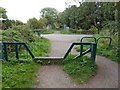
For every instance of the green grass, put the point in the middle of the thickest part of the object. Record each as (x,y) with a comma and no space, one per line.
(23,75)
(81,69)
(65,32)
(104,50)
(77,48)
(41,47)
(110,52)
(49,31)
(19,75)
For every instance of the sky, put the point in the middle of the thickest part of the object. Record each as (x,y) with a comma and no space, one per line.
(24,9)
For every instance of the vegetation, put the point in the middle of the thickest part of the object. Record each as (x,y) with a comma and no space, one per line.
(51,15)
(49,31)
(17,73)
(81,69)
(104,49)
(87,18)
(65,31)
(33,23)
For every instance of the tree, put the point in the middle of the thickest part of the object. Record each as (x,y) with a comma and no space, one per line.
(2,17)
(17,22)
(33,23)
(50,14)
(3,13)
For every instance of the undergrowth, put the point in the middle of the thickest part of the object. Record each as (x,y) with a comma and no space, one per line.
(22,73)
(81,69)
(19,75)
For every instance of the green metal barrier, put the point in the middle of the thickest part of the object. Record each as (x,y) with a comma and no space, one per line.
(95,40)
(110,40)
(92,50)
(5,50)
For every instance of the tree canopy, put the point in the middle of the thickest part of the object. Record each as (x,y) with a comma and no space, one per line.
(3,13)
(51,14)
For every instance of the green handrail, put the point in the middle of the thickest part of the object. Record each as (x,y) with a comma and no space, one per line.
(88,37)
(16,49)
(110,40)
(92,50)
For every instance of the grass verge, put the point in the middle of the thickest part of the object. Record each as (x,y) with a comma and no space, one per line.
(81,69)
(65,32)
(19,75)
(49,32)
(23,75)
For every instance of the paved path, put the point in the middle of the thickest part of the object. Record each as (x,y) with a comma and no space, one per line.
(53,76)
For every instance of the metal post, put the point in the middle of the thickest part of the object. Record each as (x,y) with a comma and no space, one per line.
(25,45)
(17,51)
(5,52)
(81,49)
(93,47)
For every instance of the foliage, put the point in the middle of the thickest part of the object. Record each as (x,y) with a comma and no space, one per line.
(77,48)
(33,23)
(81,69)
(88,14)
(18,22)
(78,31)
(24,34)
(7,23)
(3,13)
(23,73)
(103,48)
(49,31)
(50,14)
(19,33)
(19,75)
(62,31)
(40,47)
(110,52)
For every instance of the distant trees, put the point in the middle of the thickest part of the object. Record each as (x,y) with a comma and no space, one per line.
(3,13)
(3,17)
(89,14)
(51,14)
(33,23)
(6,22)
(48,17)
(85,16)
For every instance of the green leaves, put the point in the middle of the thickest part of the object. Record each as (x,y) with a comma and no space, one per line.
(50,14)
(3,13)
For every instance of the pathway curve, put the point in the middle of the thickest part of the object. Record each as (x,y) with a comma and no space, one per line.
(53,76)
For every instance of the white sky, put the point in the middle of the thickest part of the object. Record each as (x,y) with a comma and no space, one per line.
(24,9)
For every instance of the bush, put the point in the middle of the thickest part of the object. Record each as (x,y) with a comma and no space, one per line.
(94,29)
(19,33)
